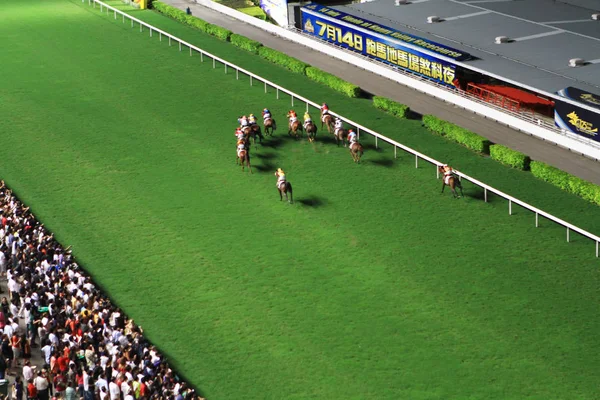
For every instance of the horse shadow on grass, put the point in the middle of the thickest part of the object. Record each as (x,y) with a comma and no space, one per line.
(371,147)
(382,162)
(265,167)
(265,156)
(312,201)
(273,142)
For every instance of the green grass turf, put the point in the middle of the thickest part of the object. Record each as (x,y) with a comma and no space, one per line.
(372,286)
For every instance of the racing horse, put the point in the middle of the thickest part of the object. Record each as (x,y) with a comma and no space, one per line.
(340,135)
(284,188)
(311,131)
(243,158)
(452,181)
(295,129)
(270,126)
(356,151)
(327,120)
(254,132)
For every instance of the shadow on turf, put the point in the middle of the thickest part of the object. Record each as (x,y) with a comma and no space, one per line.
(273,142)
(382,162)
(265,156)
(312,201)
(265,167)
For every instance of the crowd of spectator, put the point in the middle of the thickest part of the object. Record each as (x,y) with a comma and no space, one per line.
(89,348)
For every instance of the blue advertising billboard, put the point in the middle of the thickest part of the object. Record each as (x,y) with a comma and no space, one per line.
(382,43)
(577,120)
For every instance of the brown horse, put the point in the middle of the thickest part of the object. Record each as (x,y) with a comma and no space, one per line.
(311,131)
(327,120)
(270,126)
(243,158)
(453,182)
(295,129)
(284,188)
(254,132)
(340,135)
(356,151)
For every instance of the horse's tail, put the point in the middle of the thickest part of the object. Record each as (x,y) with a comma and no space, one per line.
(273,124)
(289,187)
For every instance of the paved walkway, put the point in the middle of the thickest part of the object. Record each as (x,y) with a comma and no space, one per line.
(537,149)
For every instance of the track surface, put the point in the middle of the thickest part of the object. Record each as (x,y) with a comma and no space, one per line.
(537,149)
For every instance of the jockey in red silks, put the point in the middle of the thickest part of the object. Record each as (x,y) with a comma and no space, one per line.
(324,111)
(448,172)
(352,138)
(239,134)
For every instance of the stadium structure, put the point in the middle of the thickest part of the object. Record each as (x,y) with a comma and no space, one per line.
(538,56)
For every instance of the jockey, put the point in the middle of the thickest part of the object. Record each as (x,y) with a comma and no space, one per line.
(251,119)
(266,114)
(338,125)
(324,111)
(448,172)
(351,137)
(293,116)
(243,121)
(280,177)
(307,119)
(241,145)
(239,134)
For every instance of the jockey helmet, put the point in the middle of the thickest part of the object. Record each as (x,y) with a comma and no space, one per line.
(325,105)
(252,115)
(350,130)
(240,142)
(266,110)
(280,171)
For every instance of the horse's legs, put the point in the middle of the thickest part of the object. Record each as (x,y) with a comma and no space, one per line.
(443,185)
(280,195)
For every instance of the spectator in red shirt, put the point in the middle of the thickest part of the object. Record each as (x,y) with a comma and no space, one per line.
(31,390)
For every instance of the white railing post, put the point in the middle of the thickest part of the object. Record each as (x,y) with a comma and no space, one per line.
(292,100)
(179,46)
(277,93)
(150,32)
(132,23)
(237,74)
(214,63)
(100,7)
(201,57)
(225,68)
(568,237)
(437,172)
(250,80)
(265,87)
(358,133)
(190,51)
(115,11)
(123,18)
(509,207)
(141,26)
(484,194)
(596,249)
(169,41)
(160,36)
(416,161)
(537,216)
(306,106)
(376,143)
(395,150)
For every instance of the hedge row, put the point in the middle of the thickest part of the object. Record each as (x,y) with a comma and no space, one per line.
(244,43)
(181,16)
(456,133)
(281,59)
(333,82)
(392,107)
(509,157)
(566,181)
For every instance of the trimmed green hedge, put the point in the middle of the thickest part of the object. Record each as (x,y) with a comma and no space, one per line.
(218,32)
(333,82)
(460,135)
(392,107)
(509,157)
(566,181)
(279,58)
(244,43)
(181,16)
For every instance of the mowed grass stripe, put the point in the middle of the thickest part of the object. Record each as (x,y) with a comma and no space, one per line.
(353,292)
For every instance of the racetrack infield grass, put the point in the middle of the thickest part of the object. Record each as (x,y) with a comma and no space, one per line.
(372,286)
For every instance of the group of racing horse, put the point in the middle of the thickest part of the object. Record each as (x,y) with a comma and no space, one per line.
(249,129)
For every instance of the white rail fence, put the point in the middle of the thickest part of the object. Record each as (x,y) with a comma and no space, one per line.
(359,128)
